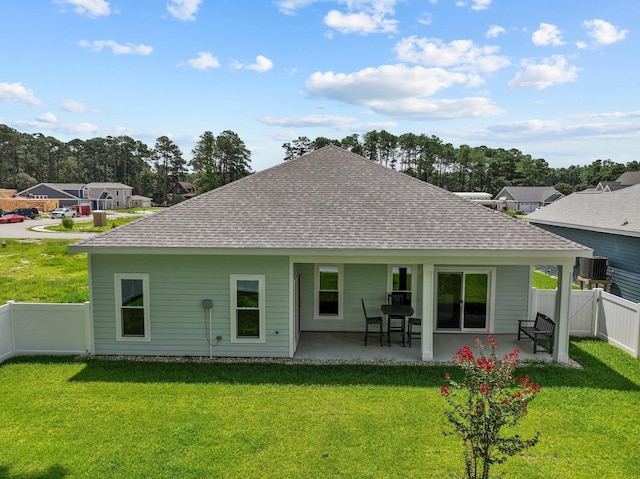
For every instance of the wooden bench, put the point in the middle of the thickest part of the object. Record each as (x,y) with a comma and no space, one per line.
(542,330)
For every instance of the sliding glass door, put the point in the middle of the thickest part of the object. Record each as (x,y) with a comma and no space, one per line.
(462,301)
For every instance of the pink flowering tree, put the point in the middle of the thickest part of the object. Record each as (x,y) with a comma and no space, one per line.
(488,399)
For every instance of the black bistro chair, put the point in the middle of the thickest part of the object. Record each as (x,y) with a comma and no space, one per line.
(371,320)
(411,333)
(396,324)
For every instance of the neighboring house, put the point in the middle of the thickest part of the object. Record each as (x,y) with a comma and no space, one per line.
(138,201)
(606,221)
(527,198)
(246,269)
(99,196)
(626,179)
(184,189)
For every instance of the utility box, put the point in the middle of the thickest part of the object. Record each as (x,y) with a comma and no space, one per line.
(594,268)
(99,218)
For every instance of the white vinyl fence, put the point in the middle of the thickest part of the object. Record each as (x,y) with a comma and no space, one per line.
(617,321)
(44,328)
(40,328)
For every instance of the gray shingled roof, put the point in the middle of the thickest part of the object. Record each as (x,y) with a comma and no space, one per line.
(529,194)
(615,211)
(331,199)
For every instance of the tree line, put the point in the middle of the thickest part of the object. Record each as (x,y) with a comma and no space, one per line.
(465,168)
(29,159)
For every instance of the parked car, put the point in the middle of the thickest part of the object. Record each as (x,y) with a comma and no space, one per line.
(11,218)
(31,213)
(61,212)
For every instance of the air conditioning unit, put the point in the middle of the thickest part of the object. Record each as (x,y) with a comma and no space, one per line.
(594,268)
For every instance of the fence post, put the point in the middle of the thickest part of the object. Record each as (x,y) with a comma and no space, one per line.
(597,299)
(637,331)
(88,328)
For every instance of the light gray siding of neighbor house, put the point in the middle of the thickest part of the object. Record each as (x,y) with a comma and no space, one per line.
(178,284)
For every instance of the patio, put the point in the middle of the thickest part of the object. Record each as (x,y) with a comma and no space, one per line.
(330,346)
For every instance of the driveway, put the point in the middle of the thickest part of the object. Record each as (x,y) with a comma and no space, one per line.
(21,230)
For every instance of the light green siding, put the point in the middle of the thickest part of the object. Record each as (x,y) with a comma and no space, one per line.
(513,284)
(178,284)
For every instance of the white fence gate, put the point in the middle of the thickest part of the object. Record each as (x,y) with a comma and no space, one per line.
(617,321)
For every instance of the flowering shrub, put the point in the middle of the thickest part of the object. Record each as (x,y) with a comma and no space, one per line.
(487,399)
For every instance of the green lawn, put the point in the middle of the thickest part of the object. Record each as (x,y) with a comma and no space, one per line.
(83,225)
(66,418)
(42,271)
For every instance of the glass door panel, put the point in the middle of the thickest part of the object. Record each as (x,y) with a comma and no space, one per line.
(475,300)
(449,300)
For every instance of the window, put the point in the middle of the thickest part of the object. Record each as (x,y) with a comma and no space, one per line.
(401,282)
(328,292)
(133,321)
(247,308)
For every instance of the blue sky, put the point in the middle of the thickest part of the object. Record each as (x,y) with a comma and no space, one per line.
(556,79)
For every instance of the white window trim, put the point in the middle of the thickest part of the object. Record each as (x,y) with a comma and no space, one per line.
(491,271)
(117,280)
(414,280)
(316,292)
(260,278)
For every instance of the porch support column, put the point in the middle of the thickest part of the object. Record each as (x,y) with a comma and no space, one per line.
(426,334)
(563,296)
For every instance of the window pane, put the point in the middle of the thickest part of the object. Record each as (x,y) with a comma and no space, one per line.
(328,303)
(401,279)
(475,300)
(132,321)
(329,278)
(132,292)
(247,294)
(248,323)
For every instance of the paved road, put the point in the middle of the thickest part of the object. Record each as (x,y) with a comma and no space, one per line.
(21,230)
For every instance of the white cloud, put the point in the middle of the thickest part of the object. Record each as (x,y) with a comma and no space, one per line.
(385,82)
(309,121)
(289,7)
(262,64)
(10,92)
(89,8)
(603,32)
(183,9)
(116,48)
(475,4)
(360,22)
(463,54)
(203,61)
(552,71)
(494,31)
(47,117)
(434,109)
(546,35)
(535,129)
(73,106)
(425,19)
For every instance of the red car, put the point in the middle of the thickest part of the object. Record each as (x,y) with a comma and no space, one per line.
(11,218)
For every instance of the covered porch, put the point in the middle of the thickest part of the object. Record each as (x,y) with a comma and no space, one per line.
(349,347)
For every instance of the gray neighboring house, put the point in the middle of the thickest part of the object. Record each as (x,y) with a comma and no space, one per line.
(100,196)
(246,269)
(527,198)
(608,221)
(626,179)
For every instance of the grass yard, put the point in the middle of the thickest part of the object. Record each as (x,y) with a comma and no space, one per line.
(82,225)
(42,271)
(66,418)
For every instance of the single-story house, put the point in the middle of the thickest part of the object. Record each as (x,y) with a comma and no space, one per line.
(99,196)
(606,221)
(626,179)
(139,201)
(527,198)
(246,269)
